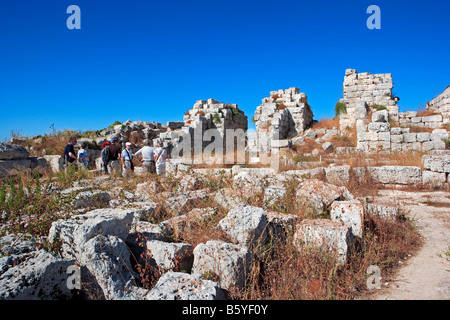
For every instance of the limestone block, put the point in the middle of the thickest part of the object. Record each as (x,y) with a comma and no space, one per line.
(227,262)
(433,179)
(351,213)
(12,167)
(423,136)
(397,139)
(379,127)
(184,286)
(433,145)
(380,116)
(246,225)
(338,175)
(434,118)
(384,136)
(385,208)
(171,256)
(437,163)
(334,236)
(403,175)
(396,131)
(410,137)
(328,147)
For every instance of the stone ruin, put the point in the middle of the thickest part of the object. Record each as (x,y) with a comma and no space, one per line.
(441,104)
(364,90)
(284,115)
(217,117)
(282,120)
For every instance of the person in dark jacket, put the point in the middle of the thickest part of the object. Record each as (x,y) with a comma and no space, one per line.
(70,156)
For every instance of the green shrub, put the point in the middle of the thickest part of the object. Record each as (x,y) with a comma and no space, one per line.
(447,143)
(115,124)
(340,108)
(379,107)
(216,118)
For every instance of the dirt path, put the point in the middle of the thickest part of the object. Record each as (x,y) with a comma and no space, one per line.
(426,275)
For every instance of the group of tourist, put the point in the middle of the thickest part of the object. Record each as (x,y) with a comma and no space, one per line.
(114,159)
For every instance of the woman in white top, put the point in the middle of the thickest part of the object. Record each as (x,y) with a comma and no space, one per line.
(160,160)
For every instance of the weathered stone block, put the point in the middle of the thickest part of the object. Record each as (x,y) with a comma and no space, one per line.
(227,262)
(434,179)
(403,175)
(379,127)
(351,213)
(334,236)
(246,225)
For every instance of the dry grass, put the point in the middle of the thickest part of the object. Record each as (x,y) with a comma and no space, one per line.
(307,147)
(326,123)
(425,113)
(282,272)
(417,129)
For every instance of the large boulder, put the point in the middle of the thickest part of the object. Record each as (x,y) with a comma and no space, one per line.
(74,232)
(171,256)
(13,167)
(351,213)
(55,162)
(38,275)
(319,195)
(246,225)
(108,260)
(336,237)
(226,263)
(12,152)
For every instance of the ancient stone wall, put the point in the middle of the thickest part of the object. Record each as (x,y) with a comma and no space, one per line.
(379,136)
(363,90)
(206,115)
(410,119)
(285,114)
(441,104)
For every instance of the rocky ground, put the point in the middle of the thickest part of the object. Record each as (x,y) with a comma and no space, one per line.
(241,233)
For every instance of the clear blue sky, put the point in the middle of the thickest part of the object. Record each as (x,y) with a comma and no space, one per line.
(151,60)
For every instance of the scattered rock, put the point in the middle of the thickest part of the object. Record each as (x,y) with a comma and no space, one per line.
(246,225)
(183,286)
(227,262)
(13,152)
(323,233)
(351,213)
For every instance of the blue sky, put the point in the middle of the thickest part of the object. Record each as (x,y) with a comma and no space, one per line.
(151,60)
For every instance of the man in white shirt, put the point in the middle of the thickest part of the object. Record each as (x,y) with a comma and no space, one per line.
(147,157)
(127,160)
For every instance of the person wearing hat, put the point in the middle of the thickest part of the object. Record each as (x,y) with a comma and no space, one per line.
(114,157)
(160,160)
(127,160)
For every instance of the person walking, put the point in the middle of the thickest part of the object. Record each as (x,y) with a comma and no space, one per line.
(82,155)
(146,155)
(69,153)
(114,157)
(105,157)
(160,160)
(127,160)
